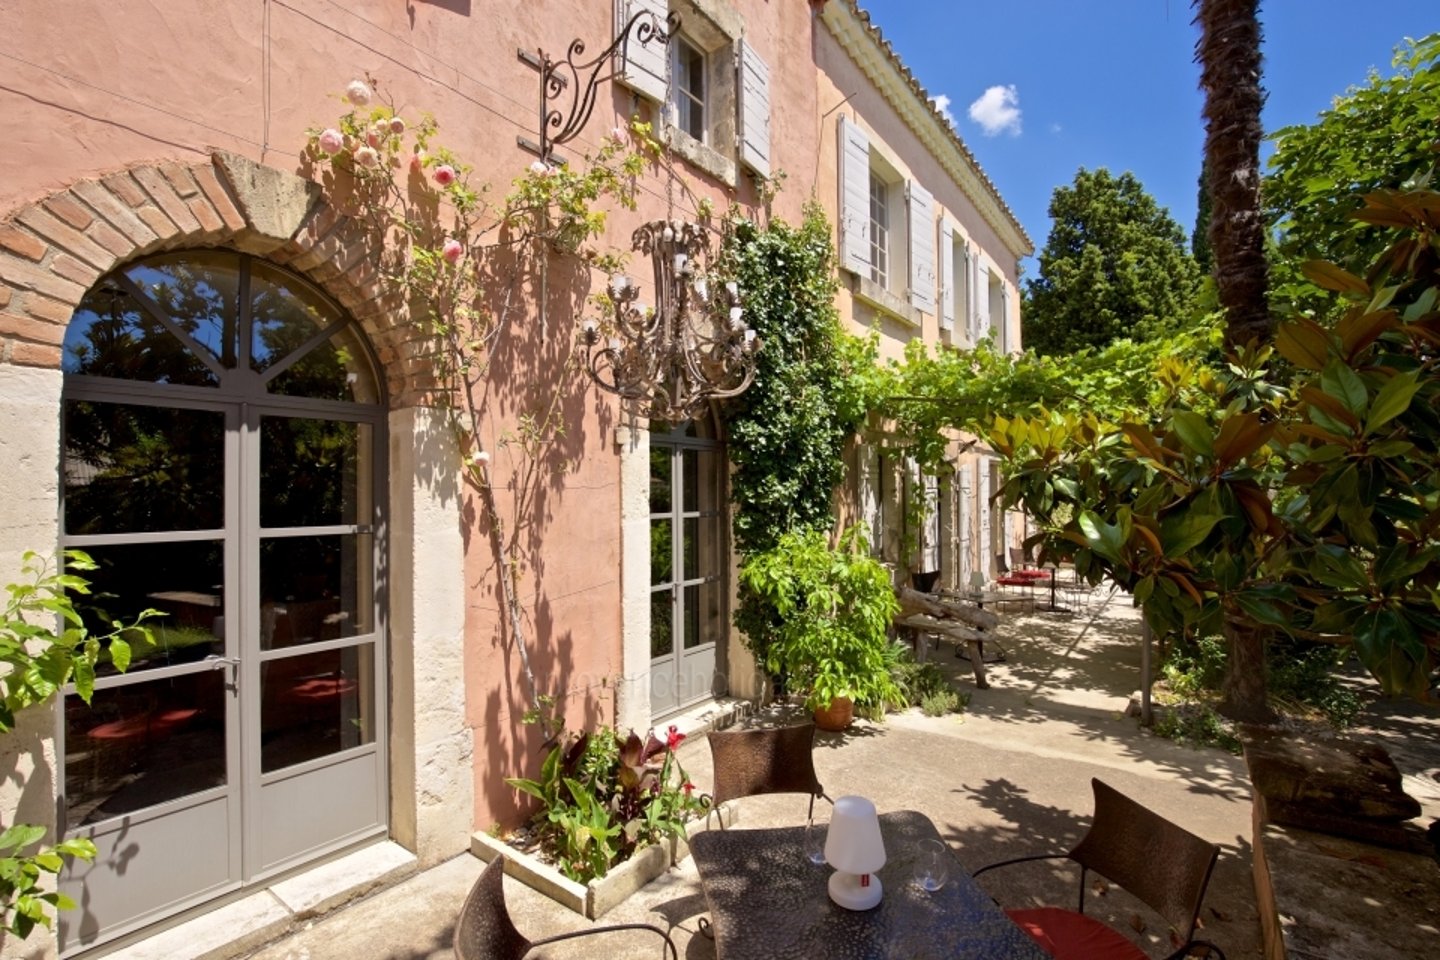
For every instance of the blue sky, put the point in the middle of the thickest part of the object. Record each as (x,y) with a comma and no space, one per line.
(1112,82)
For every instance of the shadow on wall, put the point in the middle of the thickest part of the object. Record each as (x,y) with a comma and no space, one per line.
(536,391)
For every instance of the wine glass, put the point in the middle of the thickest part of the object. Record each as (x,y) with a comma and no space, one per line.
(815,842)
(932,865)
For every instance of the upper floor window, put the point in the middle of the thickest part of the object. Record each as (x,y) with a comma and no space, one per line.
(711,84)
(879,230)
(687,88)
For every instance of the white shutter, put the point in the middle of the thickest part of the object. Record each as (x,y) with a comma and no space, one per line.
(967,303)
(867,482)
(754,110)
(854,198)
(987,557)
(965,507)
(930,531)
(947,276)
(922,247)
(982,301)
(642,66)
(1004,319)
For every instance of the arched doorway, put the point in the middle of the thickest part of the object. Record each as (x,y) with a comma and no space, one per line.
(688,560)
(222,447)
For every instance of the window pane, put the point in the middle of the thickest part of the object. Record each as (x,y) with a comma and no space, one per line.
(184,581)
(702,547)
(200,292)
(142,744)
(140,469)
(662,552)
(702,493)
(314,472)
(662,627)
(314,589)
(284,313)
(334,370)
(660,469)
(316,704)
(110,335)
(702,613)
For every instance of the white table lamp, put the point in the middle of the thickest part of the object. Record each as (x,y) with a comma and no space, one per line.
(854,848)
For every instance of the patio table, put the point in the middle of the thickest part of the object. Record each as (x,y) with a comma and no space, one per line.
(767,900)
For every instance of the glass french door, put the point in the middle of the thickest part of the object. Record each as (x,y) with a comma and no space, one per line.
(687,563)
(221,462)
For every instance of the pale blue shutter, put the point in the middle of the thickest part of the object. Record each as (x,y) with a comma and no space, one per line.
(1005,319)
(754,111)
(922,247)
(854,198)
(641,66)
(982,300)
(947,276)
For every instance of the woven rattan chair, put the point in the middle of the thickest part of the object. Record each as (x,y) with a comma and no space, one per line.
(1157,861)
(772,760)
(484,930)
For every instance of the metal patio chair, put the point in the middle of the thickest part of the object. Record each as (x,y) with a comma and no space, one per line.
(1162,864)
(484,930)
(770,760)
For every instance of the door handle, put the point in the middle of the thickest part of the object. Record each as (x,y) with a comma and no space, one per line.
(220,663)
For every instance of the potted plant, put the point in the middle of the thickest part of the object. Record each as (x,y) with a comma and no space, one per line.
(833,607)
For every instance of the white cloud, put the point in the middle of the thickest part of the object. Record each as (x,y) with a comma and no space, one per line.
(1056,129)
(942,103)
(998,111)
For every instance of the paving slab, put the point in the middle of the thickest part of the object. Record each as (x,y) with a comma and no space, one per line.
(1010,776)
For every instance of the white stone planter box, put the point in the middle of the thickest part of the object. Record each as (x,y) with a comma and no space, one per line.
(597,897)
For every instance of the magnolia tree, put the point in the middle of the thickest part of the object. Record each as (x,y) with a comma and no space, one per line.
(1312,509)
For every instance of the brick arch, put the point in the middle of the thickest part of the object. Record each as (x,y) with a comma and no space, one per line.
(55,249)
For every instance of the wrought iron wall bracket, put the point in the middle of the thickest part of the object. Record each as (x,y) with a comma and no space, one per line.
(562,118)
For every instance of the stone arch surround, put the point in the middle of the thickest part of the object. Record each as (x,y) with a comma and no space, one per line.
(52,250)
(56,248)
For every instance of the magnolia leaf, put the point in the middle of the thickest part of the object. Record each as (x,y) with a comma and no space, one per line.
(1345,385)
(1194,432)
(1359,328)
(1330,277)
(1185,529)
(1392,400)
(1239,437)
(1304,343)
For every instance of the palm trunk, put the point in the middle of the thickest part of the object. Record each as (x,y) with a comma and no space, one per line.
(1229,57)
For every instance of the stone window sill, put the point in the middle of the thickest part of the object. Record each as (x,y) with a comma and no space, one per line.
(870,292)
(697,154)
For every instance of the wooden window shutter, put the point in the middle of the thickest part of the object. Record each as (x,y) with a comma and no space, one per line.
(754,107)
(947,275)
(1004,332)
(982,300)
(922,247)
(854,198)
(641,66)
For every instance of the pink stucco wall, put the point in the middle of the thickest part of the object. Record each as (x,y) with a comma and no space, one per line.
(103,86)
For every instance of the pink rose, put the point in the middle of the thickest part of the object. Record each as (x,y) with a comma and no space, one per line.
(444,174)
(331,141)
(397,126)
(538,168)
(367,157)
(417,161)
(480,458)
(358,93)
(451,250)
(372,138)
(618,134)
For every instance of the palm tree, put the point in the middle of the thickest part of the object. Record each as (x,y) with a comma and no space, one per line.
(1229,56)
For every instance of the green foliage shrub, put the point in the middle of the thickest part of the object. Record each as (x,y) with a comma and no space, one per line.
(942,702)
(833,608)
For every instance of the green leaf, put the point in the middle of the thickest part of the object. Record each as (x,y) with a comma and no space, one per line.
(1185,529)
(1194,432)
(1342,383)
(1392,400)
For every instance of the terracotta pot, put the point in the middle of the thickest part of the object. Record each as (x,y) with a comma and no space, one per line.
(837,716)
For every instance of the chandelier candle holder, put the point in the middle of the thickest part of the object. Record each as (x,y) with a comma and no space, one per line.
(692,347)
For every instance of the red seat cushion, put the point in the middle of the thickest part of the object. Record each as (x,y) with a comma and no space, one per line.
(1067,935)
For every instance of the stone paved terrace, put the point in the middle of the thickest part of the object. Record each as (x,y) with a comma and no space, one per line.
(1011,776)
